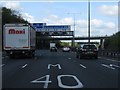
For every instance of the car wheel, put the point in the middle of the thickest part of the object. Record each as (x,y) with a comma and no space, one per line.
(81,57)
(96,57)
(12,56)
(77,56)
(33,55)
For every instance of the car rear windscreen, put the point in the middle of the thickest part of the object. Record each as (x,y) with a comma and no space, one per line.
(89,47)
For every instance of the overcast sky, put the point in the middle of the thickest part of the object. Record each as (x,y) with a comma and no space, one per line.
(104,14)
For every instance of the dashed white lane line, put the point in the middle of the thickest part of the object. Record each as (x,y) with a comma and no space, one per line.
(24,66)
(69,58)
(108,66)
(109,59)
(82,66)
(2,65)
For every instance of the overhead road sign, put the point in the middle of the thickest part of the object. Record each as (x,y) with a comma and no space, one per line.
(47,28)
(57,28)
(56,33)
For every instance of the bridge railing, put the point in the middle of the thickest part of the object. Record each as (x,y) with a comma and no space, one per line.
(109,53)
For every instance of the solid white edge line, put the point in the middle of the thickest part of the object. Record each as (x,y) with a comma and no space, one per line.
(2,65)
(82,66)
(24,66)
(69,58)
(114,65)
(107,66)
(109,59)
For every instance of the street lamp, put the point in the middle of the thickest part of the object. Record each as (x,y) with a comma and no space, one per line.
(73,41)
(89,22)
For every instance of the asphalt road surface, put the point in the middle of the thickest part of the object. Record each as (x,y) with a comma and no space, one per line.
(59,70)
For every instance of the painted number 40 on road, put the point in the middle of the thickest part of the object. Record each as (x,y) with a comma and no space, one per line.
(60,84)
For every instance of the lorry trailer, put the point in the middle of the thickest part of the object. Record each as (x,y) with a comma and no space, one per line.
(19,39)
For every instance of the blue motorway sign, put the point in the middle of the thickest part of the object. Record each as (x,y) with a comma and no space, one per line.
(38,25)
(57,28)
(56,33)
(48,28)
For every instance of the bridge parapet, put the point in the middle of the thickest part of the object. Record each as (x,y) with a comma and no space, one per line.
(110,53)
(75,38)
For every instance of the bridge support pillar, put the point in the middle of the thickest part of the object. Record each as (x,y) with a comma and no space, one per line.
(73,42)
(101,43)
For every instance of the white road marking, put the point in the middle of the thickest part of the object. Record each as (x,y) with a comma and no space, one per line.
(56,65)
(60,84)
(46,81)
(24,66)
(82,66)
(69,58)
(109,59)
(115,65)
(2,65)
(108,66)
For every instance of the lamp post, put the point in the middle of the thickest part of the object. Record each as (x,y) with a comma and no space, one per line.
(89,22)
(73,40)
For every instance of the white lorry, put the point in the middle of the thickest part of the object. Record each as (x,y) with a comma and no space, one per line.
(53,47)
(19,39)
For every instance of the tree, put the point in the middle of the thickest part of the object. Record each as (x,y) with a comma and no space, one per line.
(113,43)
(11,16)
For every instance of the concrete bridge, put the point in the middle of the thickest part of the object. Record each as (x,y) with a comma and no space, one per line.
(101,38)
(71,38)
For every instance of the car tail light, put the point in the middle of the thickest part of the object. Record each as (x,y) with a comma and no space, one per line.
(95,49)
